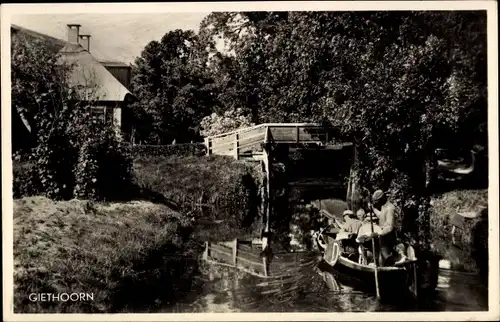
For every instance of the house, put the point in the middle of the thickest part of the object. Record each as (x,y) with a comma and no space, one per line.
(105,84)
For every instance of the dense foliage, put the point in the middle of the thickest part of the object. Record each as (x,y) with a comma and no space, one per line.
(230,120)
(174,94)
(367,74)
(73,155)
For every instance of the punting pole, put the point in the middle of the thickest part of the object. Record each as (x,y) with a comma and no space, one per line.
(374,257)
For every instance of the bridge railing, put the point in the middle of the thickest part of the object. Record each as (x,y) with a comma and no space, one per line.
(249,141)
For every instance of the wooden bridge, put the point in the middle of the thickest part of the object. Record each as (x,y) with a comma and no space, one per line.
(249,143)
(254,144)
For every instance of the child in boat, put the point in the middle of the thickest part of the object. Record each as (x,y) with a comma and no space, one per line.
(362,251)
(351,222)
(365,247)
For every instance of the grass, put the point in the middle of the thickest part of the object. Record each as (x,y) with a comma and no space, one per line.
(474,235)
(206,189)
(127,255)
(136,256)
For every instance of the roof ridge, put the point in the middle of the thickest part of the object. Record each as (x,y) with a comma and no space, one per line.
(36,33)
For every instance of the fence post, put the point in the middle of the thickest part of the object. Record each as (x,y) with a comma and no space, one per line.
(208,144)
(236,146)
(297,133)
(205,253)
(235,250)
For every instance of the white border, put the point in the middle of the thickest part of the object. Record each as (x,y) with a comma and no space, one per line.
(116,8)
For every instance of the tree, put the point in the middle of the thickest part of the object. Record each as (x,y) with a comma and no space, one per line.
(174,94)
(398,83)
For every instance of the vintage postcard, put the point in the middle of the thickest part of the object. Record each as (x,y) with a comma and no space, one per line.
(250,161)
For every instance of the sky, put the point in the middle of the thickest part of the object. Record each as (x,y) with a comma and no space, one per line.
(115,37)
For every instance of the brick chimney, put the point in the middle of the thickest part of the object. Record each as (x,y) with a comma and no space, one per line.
(73,32)
(85,42)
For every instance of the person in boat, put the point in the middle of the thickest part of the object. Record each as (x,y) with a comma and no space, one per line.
(385,212)
(362,249)
(351,223)
(336,229)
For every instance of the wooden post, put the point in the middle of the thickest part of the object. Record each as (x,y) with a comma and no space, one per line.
(297,134)
(236,146)
(205,253)
(235,251)
(208,144)
(375,257)
(266,160)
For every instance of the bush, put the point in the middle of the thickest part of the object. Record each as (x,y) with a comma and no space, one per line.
(209,187)
(25,183)
(231,120)
(104,168)
(129,256)
(444,207)
(54,159)
(186,149)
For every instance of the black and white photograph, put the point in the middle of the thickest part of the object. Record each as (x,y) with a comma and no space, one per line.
(250,158)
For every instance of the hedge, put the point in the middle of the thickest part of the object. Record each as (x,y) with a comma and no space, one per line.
(186,149)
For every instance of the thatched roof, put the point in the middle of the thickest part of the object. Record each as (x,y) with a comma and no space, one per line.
(95,81)
(52,43)
(88,73)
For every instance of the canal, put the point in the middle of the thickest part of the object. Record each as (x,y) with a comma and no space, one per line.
(223,289)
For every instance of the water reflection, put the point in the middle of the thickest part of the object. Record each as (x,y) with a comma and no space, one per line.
(224,289)
(221,289)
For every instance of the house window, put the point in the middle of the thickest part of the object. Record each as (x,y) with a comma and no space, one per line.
(103,114)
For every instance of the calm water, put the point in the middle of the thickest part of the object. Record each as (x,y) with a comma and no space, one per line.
(224,289)
(221,289)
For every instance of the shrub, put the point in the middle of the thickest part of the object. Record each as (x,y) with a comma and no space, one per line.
(186,149)
(444,207)
(231,120)
(129,256)
(53,160)
(104,167)
(25,182)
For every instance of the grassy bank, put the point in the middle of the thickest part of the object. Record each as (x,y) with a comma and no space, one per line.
(132,256)
(129,256)
(472,239)
(206,189)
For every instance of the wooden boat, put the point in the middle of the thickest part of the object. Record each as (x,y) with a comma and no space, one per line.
(453,167)
(395,282)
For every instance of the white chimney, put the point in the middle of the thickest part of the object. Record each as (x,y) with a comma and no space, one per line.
(73,32)
(85,42)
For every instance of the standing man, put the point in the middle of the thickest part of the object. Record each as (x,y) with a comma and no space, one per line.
(385,212)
